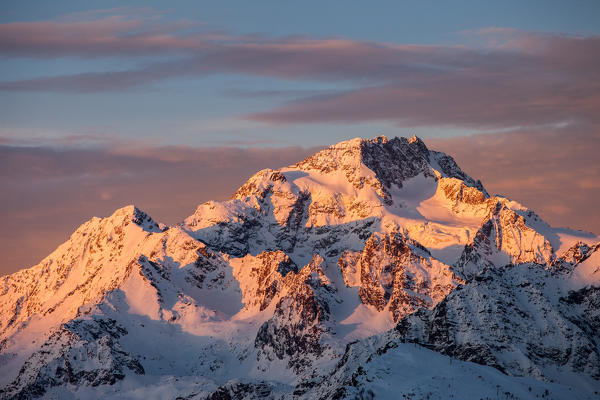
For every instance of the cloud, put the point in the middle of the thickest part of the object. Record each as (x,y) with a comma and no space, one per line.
(128,33)
(95,81)
(527,80)
(506,78)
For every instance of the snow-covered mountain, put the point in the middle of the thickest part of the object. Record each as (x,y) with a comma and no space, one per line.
(372,268)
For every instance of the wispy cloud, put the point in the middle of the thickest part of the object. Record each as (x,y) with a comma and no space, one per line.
(507,78)
(525,79)
(101,33)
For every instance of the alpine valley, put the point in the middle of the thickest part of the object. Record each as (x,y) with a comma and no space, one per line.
(372,269)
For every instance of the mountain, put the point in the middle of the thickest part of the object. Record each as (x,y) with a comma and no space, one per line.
(374,268)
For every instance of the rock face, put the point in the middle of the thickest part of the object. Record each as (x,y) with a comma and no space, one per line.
(300,319)
(81,352)
(505,237)
(396,273)
(309,283)
(498,318)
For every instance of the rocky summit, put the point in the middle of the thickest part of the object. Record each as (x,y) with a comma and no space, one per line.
(372,269)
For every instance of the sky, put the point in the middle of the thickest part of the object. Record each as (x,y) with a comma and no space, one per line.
(103,105)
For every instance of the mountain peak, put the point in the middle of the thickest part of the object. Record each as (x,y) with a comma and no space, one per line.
(259,295)
(414,138)
(369,152)
(378,163)
(135,215)
(393,161)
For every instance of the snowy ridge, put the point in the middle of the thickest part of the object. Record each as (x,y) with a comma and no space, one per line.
(313,281)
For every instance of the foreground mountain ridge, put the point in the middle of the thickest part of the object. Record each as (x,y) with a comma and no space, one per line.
(325,279)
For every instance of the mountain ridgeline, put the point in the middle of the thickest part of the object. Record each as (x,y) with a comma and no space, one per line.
(372,269)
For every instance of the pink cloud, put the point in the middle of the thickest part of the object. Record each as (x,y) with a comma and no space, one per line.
(517,79)
(531,81)
(97,34)
(461,101)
